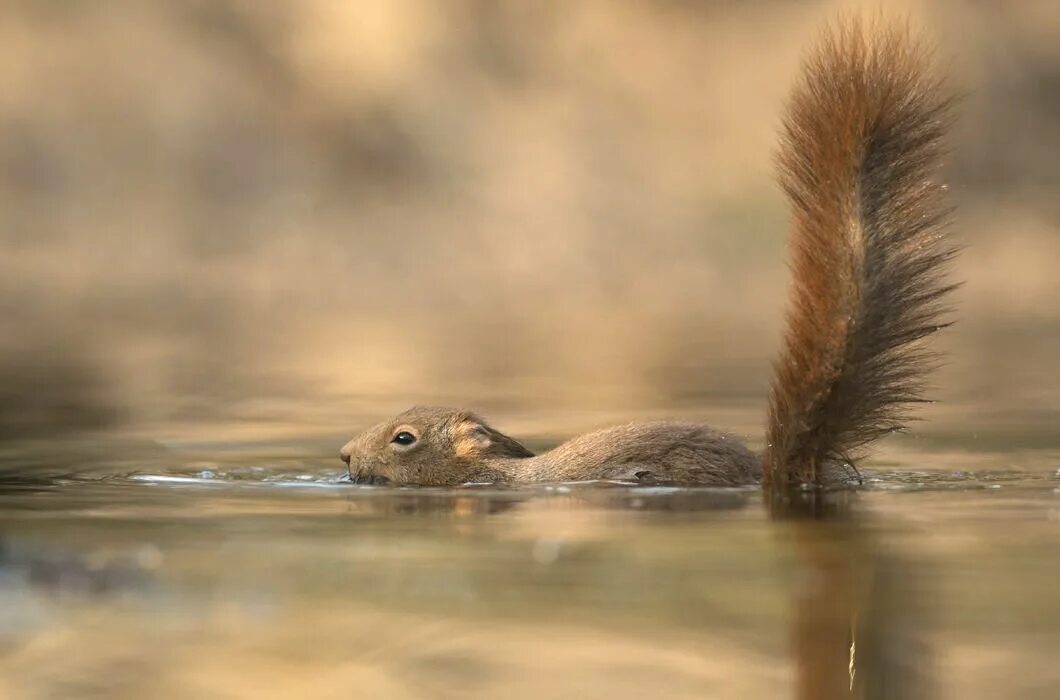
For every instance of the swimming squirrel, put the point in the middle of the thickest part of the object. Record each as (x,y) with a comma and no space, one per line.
(860,144)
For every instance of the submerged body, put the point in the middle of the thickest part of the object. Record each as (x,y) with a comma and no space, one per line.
(859,149)
(447,447)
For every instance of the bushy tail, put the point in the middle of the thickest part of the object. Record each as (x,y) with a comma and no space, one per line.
(859,150)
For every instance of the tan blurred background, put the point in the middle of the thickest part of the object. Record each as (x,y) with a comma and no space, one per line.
(273,217)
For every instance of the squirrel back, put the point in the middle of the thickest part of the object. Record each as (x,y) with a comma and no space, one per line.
(861,143)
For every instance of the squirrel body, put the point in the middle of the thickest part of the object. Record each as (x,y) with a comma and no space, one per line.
(451,446)
(859,148)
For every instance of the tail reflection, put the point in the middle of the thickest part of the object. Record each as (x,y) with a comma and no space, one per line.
(857,624)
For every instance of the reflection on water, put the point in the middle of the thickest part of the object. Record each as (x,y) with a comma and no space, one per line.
(265,575)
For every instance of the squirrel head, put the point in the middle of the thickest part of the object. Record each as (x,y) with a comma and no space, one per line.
(428,446)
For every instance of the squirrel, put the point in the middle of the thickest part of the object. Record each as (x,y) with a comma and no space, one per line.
(860,144)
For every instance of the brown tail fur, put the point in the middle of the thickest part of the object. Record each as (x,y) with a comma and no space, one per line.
(860,146)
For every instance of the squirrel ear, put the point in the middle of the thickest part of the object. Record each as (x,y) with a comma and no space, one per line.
(471,439)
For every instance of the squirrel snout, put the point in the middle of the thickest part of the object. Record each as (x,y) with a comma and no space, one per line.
(346,451)
(361,474)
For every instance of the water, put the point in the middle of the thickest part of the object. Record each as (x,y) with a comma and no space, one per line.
(135,570)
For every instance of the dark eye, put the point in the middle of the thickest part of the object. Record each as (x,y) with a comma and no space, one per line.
(404,438)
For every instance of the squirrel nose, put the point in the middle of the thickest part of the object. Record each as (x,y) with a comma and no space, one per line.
(345,456)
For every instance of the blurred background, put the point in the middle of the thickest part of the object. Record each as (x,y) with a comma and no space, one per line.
(233,217)
(233,232)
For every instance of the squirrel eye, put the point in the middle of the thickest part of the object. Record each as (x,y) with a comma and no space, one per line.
(404,438)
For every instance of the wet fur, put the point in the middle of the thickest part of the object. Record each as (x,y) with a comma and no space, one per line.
(456,446)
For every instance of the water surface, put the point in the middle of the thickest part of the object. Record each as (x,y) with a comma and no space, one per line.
(237,570)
